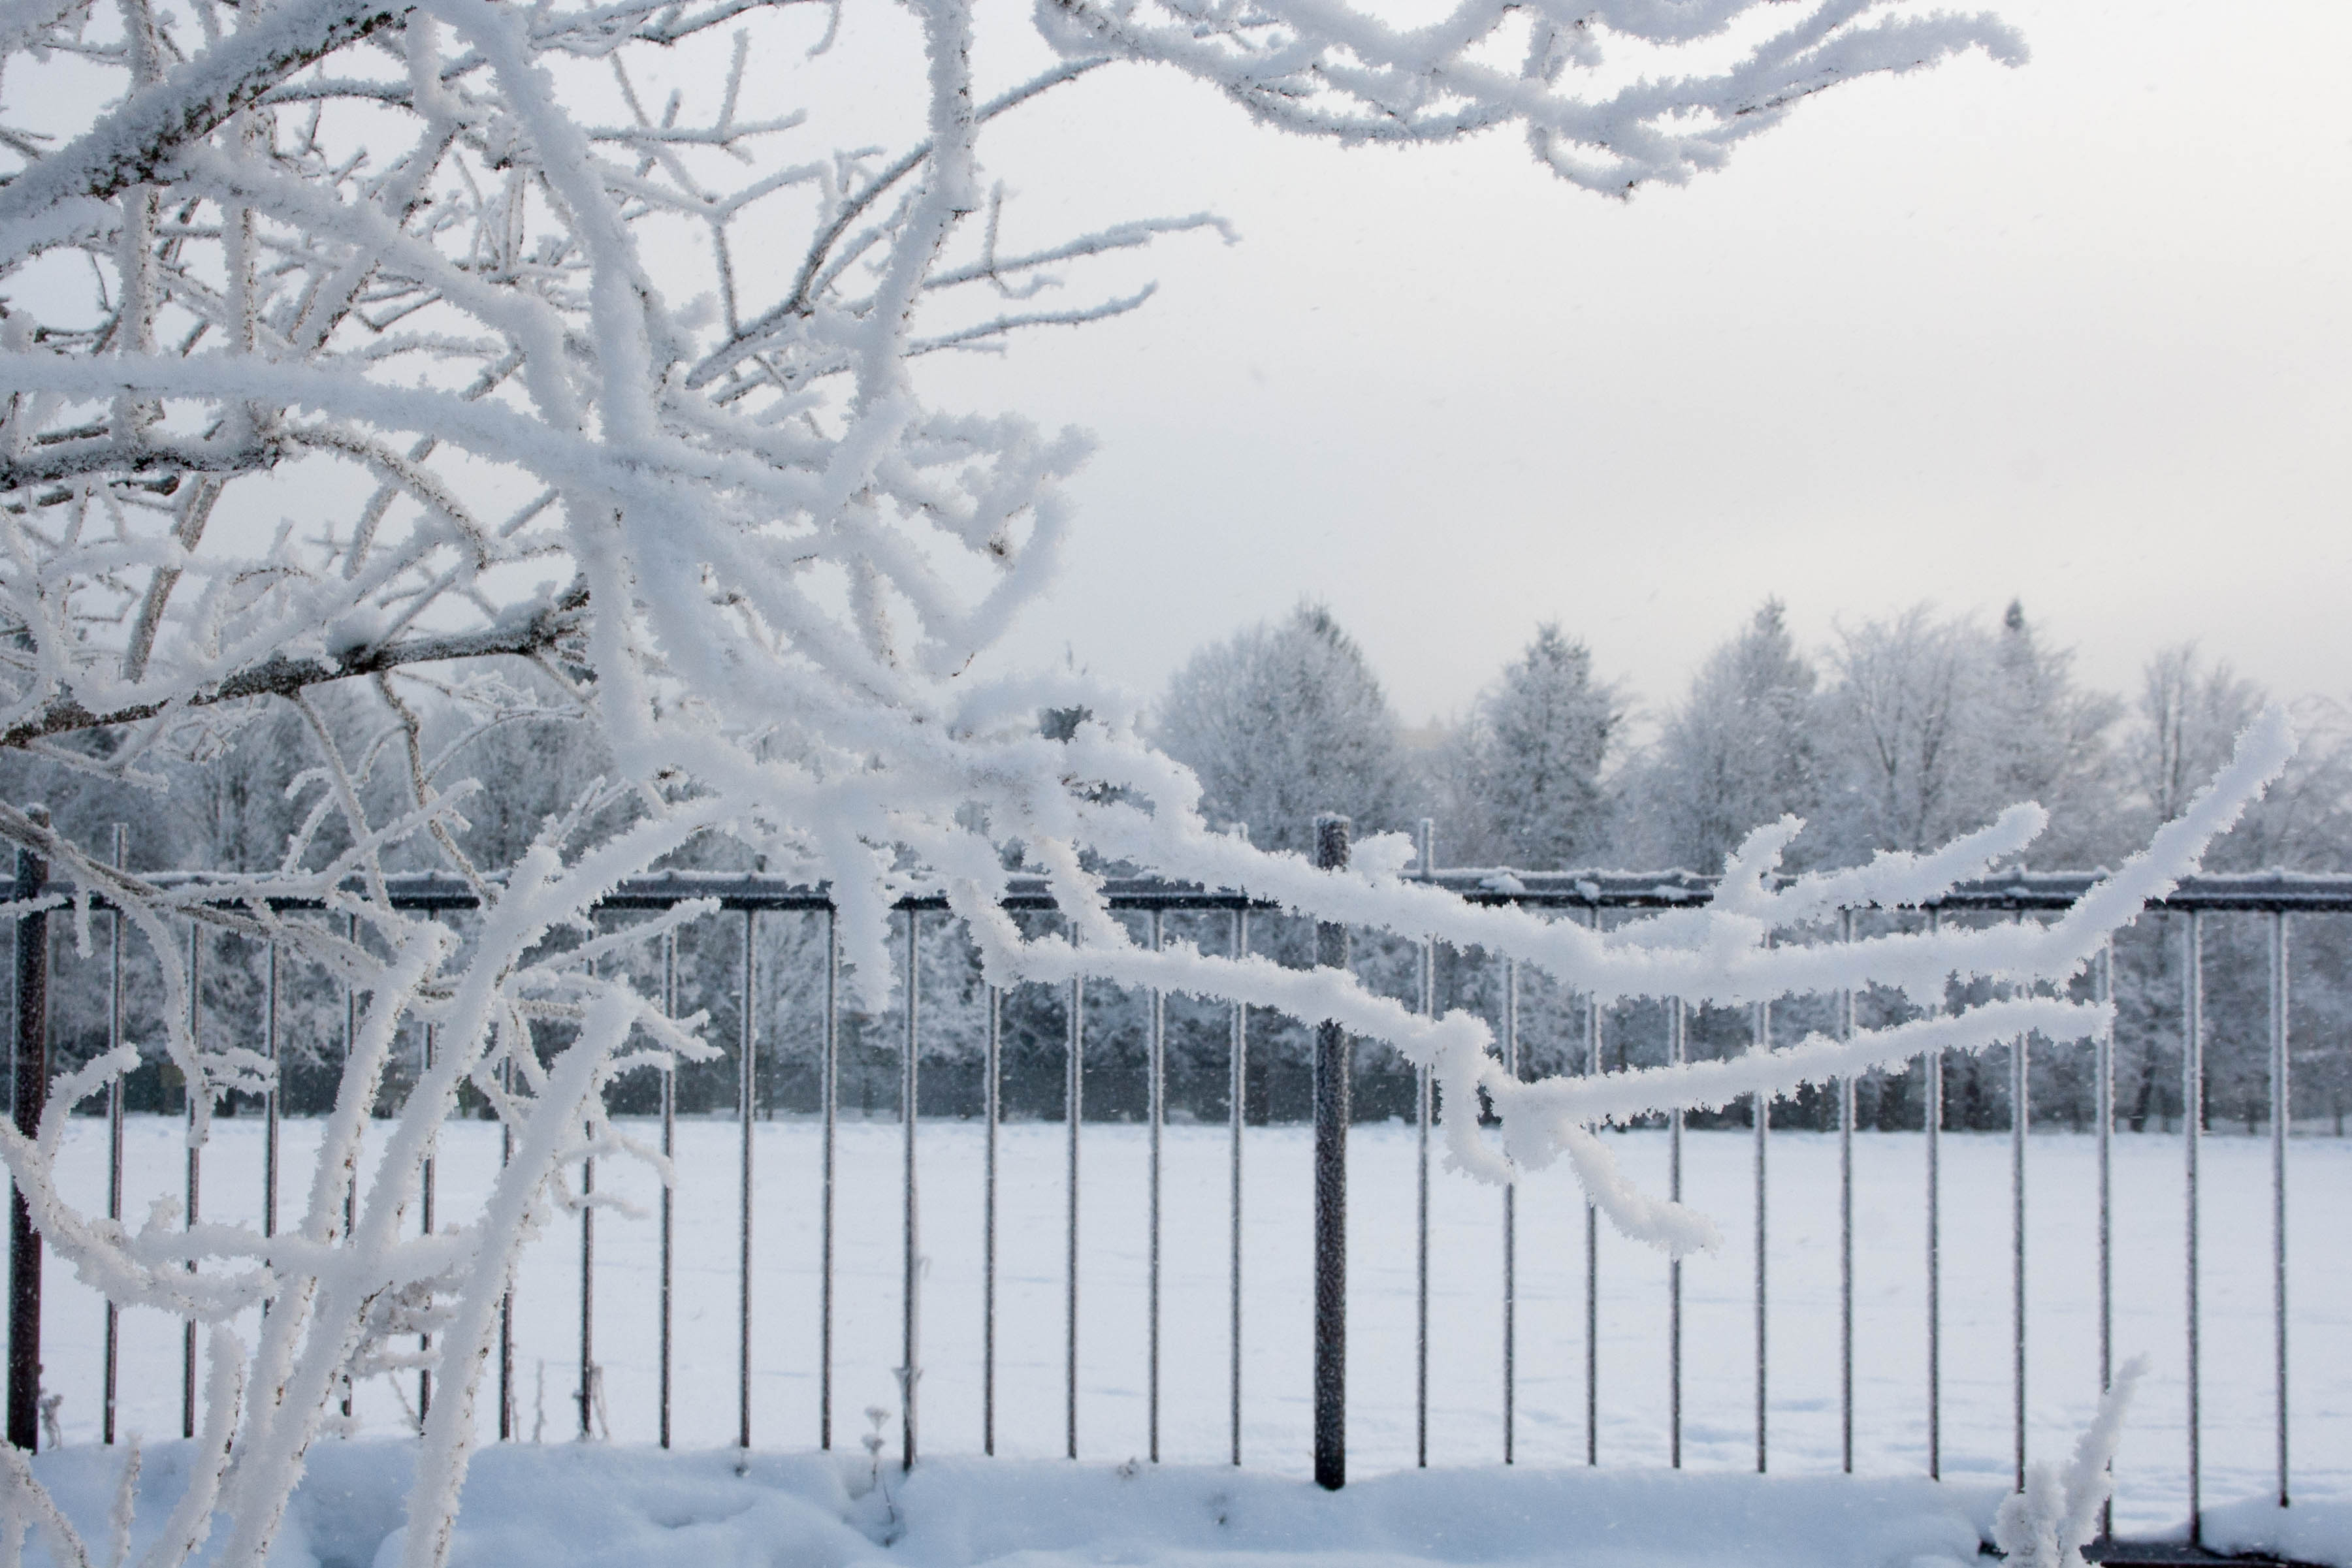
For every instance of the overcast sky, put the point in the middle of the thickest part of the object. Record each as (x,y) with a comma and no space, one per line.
(2077,332)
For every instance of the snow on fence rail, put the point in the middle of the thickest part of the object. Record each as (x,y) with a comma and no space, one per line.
(1590,895)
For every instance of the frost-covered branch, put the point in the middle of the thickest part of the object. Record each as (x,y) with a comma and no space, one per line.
(418,266)
(545,630)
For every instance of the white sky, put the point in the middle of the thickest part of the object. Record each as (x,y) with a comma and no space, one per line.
(2078,331)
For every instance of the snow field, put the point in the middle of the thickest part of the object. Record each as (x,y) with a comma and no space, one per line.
(1466,1302)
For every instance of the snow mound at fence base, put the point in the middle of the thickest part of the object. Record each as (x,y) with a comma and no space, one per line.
(2313,1531)
(581,1506)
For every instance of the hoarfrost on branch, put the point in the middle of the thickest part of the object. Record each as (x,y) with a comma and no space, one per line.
(347,342)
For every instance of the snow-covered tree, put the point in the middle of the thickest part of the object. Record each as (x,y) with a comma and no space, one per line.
(1525,773)
(1931,724)
(1739,752)
(1281,722)
(2190,711)
(1901,721)
(2048,740)
(344,338)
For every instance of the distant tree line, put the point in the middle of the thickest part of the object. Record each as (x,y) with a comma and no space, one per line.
(1899,734)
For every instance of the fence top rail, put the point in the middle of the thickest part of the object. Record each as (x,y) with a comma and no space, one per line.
(2271,891)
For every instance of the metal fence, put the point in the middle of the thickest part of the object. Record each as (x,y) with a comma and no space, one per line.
(1589,896)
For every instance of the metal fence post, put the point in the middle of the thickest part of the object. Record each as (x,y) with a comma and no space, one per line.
(1074,1098)
(910,1306)
(270,1105)
(2192,1118)
(994,1090)
(1675,1264)
(587,1395)
(506,1297)
(32,1092)
(1331,1070)
(2282,1125)
(1235,1106)
(1931,1066)
(1845,1222)
(424,1203)
(830,1094)
(191,1093)
(114,1130)
(746,1089)
(1423,1115)
(669,1186)
(2104,1050)
(1511,1230)
(2021,1124)
(1156,1094)
(1592,1245)
(1761,1041)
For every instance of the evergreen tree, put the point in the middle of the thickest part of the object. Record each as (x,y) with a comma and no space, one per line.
(2047,742)
(1529,768)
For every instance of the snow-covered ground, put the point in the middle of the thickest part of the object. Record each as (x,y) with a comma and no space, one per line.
(611,1508)
(1466,1330)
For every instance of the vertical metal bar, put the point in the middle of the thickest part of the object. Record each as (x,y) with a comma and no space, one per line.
(1425,1113)
(669,1191)
(190,1092)
(350,1041)
(32,1093)
(2282,1119)
(829,1091)
(1932,1067)
(1424,1109)
(1592,1247)
(269,1101)
(2192,1117)
(746,1085)
(1332,1115)
(114,1127)
(1845,1223)
(505,1300)
(1674,1263)
(910,1305)
(350,1225)
(1237,1060)
(2103,1048)
(1158,1092)
(993,1088)
(2020,1123)
(587,1396)
(1760,1111)
(424,1206)
(1073,1086)
(1510,1228)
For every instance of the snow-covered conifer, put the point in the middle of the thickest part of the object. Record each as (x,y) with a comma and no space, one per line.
(2048,740)
(1529,764)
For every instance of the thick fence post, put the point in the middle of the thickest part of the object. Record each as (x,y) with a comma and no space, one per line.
(32,1096)
(1331,1069)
